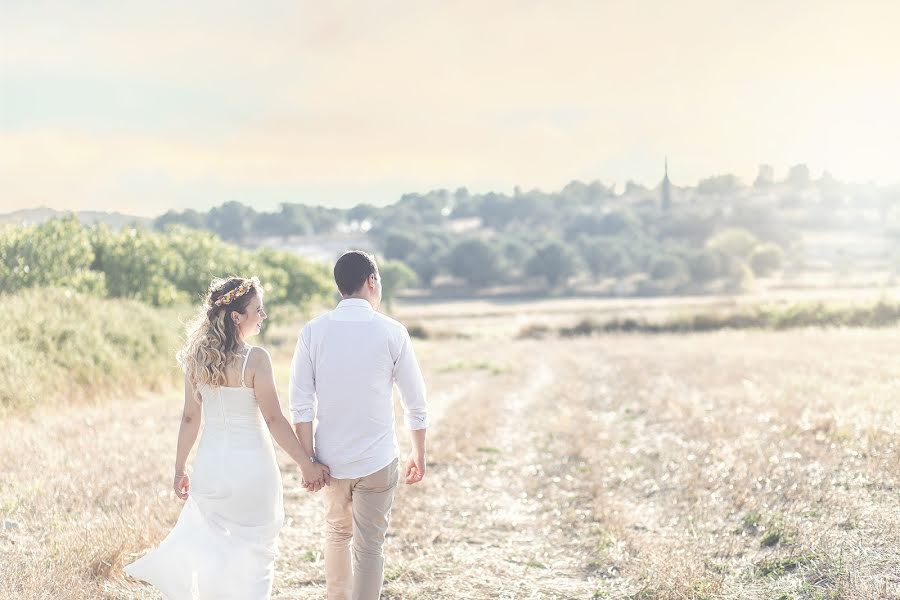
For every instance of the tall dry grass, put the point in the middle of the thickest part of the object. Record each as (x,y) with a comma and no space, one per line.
(735,464)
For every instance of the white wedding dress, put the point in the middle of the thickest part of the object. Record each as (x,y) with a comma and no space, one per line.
(224,543)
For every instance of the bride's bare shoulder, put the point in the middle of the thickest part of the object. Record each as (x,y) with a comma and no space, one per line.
(259,361)
(258,353)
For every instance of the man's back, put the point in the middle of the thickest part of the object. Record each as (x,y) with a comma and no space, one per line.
(344,367)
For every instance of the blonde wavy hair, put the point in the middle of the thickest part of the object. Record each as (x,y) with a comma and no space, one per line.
(212,337)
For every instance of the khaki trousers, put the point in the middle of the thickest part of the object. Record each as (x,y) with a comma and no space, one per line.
(357,512)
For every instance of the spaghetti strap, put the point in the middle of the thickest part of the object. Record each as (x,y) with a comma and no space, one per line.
(244,368)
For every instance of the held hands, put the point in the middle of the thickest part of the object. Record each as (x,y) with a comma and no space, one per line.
(415,468)
(182,485)
(315,476)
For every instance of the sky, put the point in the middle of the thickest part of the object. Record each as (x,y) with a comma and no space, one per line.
(141,107)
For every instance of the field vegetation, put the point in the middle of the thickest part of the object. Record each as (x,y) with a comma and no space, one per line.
(737,463)
(64,347)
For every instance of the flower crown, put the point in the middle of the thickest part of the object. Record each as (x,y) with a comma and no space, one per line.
(228,297)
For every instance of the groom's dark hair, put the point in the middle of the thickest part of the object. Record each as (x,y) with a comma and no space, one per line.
(352,269)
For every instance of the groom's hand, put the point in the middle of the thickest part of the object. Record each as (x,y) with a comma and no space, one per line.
(415,468)
(315,476)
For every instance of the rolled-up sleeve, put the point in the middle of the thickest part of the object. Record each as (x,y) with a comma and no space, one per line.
(302,388)
(409,381)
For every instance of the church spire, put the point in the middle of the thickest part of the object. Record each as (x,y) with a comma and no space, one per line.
(666,191)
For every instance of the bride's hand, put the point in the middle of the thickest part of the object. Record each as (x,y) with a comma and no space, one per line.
(182,485)
(315,476)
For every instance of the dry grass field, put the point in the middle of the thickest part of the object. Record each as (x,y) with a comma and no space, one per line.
(737,464)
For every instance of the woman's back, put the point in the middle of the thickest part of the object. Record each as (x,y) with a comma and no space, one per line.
(235,454)
(232,409)
(234,512)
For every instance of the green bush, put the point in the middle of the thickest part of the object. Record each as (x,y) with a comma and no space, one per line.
(158,268)
(71,346)
(139,264)
(291,279)
(57,252)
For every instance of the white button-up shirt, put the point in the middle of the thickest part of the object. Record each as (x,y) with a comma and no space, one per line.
(344,368)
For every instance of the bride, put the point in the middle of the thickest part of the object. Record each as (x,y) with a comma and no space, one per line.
(224,543)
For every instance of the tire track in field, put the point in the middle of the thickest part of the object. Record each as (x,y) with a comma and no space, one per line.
(496,513)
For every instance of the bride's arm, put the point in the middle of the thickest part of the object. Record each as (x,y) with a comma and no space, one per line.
(187,435)
(279,427)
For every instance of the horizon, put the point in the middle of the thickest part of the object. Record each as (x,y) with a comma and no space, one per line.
(337,106)
(618,191)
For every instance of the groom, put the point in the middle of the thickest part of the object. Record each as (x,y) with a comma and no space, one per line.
(344,367)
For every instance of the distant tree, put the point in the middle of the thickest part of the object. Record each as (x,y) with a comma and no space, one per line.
(556,262)
(516,252)
(532,207)
(362,212)
(719,184)
(427,266)
(431,208)
(765,176)
(497,210)
(706,265)
(324,220)
(587,194)
(766,258)
(632,187)
(762,221)
(604,256)
(464,205)
(798,175)
(396,217)
(295,219)
(271,224)
(668,268)
(475,261)
(587,224)
(232,220)
(400,245)
(689,225)
(395,276)
(616,223)
(189,218)
(733,242)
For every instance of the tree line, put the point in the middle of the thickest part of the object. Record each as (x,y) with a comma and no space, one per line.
(159,268)
(712,239)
